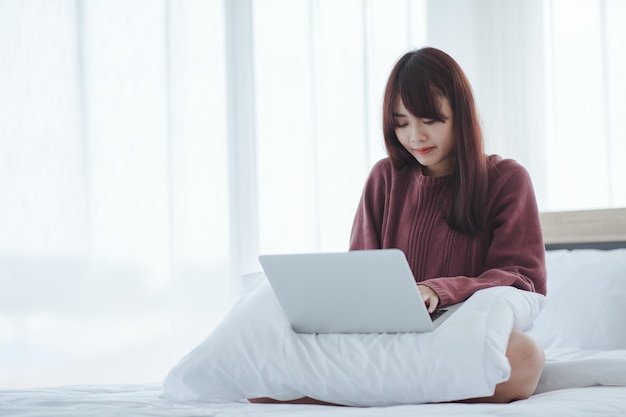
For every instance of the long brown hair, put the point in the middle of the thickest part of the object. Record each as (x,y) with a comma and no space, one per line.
(420,78)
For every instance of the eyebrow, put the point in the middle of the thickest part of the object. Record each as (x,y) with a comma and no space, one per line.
(394,114)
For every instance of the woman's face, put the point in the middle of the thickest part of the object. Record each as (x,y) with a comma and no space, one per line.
(431,142)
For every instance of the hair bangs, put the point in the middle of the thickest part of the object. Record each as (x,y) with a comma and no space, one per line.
(419,94)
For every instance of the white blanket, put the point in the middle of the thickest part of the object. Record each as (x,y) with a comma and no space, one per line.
(255,353)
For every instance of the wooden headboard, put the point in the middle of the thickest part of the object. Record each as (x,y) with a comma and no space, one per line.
(597,229)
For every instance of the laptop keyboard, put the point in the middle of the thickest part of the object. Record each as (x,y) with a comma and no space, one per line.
(437,313)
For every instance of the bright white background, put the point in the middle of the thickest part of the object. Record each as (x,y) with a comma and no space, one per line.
(150,150)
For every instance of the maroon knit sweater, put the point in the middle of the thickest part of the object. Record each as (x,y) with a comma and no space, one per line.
(399,209)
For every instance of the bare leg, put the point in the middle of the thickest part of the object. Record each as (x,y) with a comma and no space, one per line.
(527,360)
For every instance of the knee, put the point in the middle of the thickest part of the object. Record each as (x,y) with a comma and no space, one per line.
(527,361)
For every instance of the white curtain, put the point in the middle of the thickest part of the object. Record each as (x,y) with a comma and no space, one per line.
(150,150)
(587,103)
(320,68)
(114,253)
(547,75)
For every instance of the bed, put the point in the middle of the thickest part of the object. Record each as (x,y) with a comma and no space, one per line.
(586,360)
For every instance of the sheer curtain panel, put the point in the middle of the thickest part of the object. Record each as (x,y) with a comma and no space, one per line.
(114,237)
(320,71)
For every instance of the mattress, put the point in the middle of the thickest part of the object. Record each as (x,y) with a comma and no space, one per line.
(144,400)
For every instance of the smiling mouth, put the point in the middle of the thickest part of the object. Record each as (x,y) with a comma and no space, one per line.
(424,151)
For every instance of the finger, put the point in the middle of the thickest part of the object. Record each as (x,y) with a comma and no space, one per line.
(432,304)
(431,300)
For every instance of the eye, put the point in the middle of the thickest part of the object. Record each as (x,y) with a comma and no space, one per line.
(428,121)
(400,125)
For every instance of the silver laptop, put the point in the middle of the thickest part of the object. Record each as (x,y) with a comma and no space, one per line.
(367,291)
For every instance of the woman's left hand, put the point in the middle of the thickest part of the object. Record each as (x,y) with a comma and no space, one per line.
(430,297)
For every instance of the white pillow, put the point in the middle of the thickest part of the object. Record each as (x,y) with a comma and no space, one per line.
(586,303)
(572,368)
(255,353)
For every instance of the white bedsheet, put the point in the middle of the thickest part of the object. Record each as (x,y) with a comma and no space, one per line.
(143,400)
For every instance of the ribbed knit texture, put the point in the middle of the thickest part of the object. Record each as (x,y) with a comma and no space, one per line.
(401,209)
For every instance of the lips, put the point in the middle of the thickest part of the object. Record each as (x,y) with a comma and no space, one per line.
(424,151)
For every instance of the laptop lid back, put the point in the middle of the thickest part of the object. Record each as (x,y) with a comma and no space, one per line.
(369,291)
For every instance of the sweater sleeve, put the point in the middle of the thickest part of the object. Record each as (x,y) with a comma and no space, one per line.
(368,221)
(516,254)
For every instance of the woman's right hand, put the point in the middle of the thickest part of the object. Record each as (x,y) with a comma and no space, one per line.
(430,297)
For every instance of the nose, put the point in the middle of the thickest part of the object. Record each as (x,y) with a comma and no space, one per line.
(417,135)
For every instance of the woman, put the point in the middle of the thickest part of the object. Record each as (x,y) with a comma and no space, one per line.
(464,220)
